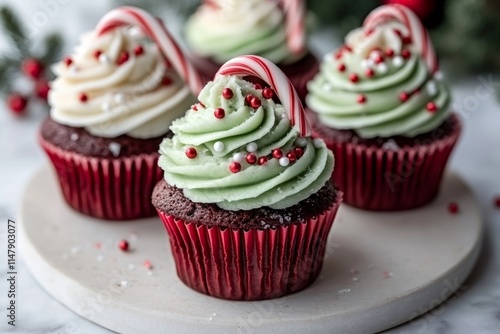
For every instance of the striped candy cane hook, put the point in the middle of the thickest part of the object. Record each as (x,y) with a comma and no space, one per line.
(154,28)
(418,33)
(271,74)
(295,27)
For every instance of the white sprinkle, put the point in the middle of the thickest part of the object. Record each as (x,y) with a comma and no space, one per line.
(284,161)
(119,97)
(75,250)
(74,136)
(100,258)
(211,318)
(327,87)
(328,57)
(150,273)
(124,283)
(300,142)
(214,314)
(344,290)
(382,68)
(218,146)
(106,107)
(431,88)
(115,148)
(355,279)
(387,274)
(365,64)
(238,157)
(390,145)
(131,266)
(317,143)
(135,31)
(375,53)
(398,61)
(438,75)
(103,58)
(251,147)
(133,236)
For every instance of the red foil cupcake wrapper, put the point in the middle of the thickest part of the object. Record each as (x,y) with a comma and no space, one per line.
(113,189)
(249,264)
(383,180)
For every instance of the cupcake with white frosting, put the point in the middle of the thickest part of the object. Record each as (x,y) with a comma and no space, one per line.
(112,102)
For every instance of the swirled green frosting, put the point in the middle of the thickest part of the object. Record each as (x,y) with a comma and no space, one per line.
(224,29)
(222,142)
(399,97)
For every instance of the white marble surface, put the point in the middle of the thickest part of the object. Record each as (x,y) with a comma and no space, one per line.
(475,310)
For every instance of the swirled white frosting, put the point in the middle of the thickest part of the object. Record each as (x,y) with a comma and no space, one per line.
(139,97)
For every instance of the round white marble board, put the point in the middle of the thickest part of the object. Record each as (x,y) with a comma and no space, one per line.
(381,269)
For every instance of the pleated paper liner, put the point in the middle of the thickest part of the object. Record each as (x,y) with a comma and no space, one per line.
(252,264)
(113,189)
(381,179)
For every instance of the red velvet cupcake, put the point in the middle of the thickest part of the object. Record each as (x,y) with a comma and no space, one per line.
(111,105)
(247,199)
(222,29)
(382,107)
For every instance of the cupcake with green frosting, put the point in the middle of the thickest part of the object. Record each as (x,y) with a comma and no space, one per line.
(383,109)
(223,29)
(246,199)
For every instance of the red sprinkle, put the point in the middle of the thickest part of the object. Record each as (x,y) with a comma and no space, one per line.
(194,107)
(98,245)
(248,98)
(389,52)
(255,102)
(299,151)
(191,152)
(268,93)
(404,96)
(97,53)
(83,97)
(219,113)
(166,81)
(68,61)
(277,153)
(361,99)
(407,40)
(338,55)
(291,156)
(251,158)
(138,50)
(398,32)
(341,67)
(497,201)
(235,167)
(370,73)
(148,265)
(257,86)
(262,160)
(227,93)
(432,107)
(379,59)
(122,58)
(123,245)
(406,53)
(348,48)
(453,208)
(354,77)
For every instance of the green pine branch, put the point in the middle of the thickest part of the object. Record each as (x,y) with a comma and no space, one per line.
(53,48)
(8,65)
(14,29)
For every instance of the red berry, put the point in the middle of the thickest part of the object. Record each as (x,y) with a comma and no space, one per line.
(354,77)
(406,53)
(379,59)
(277,153)
(407,40)
(166,81)
(97,53)
(68,61)
(497,201)
(389,52)
(453,208)
(83,97)
(369,73)
(361,99)
(341,67)
(122,58)
(291,156)
(432,107)
(404,96)
(138,50)
(257,86)
(32,68)
(123,245)
(17,103)
(235,167)
(262,160)
(251,158)
(299,151)
(255,102)
(219,113)
(191,152)
(42,89)
(268,93)
(248,98)
(227,93)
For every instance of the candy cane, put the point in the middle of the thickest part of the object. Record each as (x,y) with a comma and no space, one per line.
(270,73)
(418,33)
(154,28)
(295,28)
